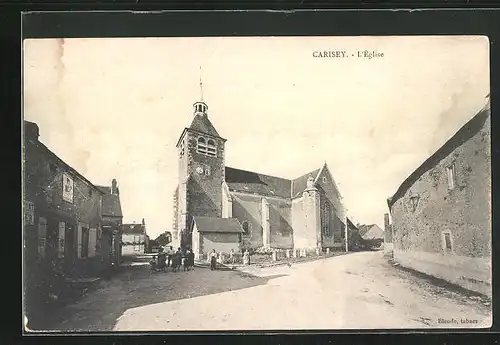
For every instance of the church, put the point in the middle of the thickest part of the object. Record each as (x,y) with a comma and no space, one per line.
(223,208)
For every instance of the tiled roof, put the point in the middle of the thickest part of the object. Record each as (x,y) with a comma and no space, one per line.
(464,134)
(351,225)
(111,205)
(255,183)
(363,229)
(374,232)
(132,229)
(212,224)
(299,184)
(202,124)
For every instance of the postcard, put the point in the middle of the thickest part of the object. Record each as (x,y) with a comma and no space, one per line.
(256,183)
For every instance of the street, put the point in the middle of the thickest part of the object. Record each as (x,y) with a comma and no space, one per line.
(355,291)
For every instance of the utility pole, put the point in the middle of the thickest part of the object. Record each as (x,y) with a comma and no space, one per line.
(346,235)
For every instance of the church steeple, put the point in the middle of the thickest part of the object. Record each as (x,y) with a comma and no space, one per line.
(200,107)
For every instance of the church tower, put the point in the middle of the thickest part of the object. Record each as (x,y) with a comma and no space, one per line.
(201,173)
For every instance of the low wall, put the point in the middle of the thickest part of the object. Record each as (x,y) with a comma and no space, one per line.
(470,273)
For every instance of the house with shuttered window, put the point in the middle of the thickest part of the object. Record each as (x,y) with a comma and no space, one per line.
(441,214)
(62,232)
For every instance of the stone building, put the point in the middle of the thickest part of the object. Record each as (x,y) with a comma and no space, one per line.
(303,213)
(62,233)
(135,240)
(441,214)
(112,218)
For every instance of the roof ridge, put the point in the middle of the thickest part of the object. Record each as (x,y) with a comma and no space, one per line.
(254,172)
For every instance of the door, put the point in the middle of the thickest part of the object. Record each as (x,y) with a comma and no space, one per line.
(69,247)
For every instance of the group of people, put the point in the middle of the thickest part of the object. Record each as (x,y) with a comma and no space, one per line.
(214,258)
(168,257)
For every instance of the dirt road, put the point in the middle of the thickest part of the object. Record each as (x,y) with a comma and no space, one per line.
(355,291)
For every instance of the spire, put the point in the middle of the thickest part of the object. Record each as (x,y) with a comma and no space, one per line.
(200,107)
(201,87)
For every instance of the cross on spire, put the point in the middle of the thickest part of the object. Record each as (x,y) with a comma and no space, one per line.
(201,86)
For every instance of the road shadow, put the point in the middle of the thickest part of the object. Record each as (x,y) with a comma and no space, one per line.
(137,287)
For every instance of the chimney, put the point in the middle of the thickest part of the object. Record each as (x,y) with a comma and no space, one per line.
(31,130)
(387,226)
(143,222)
(114,188)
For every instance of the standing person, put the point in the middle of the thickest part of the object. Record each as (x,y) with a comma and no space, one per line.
(213,260)
(190,259)
(231,256)
(246,257)
(170,252)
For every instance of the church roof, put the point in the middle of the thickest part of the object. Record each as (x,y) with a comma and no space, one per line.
(202,124)
(213,224)
(255,183)
(111,205)
(299,184)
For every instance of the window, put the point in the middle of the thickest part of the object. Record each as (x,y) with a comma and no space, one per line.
(246,228)
(447,241)
(451,176)
(202,146)
(324,179)
(207,147)
(181,150)
(206,170)
(342,230)
(85,243)
(42,236)
(211,149)
(414,201)
(61,239)
(325,221)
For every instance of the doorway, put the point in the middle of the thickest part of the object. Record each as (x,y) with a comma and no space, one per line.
(69,247)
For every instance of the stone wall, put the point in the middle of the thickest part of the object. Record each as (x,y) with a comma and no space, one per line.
(306,223)
(247,207)
(471,273)
(280,222)
(221,242)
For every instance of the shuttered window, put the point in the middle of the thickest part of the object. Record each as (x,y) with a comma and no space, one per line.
(42,236)
(61,239)
(92,243)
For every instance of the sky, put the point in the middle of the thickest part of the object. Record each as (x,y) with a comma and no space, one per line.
(115,108)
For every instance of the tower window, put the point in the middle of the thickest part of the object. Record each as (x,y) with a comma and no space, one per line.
(211,149)
(202,145)
(206,147)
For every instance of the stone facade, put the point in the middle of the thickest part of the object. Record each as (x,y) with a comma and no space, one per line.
(441,216)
